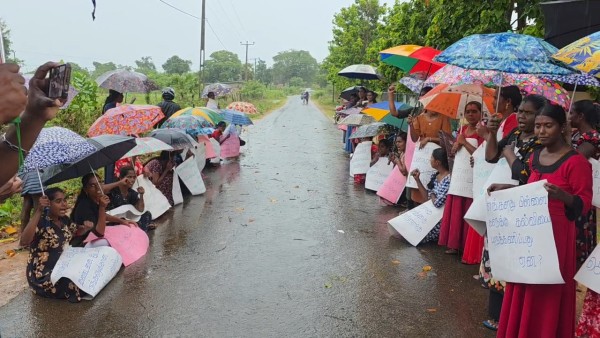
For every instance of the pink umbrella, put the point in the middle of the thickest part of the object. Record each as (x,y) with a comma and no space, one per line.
(549,89)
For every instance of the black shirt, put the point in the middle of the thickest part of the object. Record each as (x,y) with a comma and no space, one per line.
(168,108)
(85,210)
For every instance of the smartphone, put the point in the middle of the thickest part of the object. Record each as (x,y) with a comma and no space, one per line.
(60,80)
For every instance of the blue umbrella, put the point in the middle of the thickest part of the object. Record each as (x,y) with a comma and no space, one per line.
(192,125)
(235,117)
(56,145)
(504,52)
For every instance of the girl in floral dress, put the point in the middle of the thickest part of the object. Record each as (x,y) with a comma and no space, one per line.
(584,116)
(47,233)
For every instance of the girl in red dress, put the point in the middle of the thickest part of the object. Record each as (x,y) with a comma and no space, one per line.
(454,230)
(535,310)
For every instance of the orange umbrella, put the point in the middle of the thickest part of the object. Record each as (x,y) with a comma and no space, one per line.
(452,100)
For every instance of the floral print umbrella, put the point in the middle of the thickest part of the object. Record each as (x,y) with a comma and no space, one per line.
(219,89)
(125,81)
(452,100)
(549,89)
(504,52)
(206,113)
(56,145)
(412,83)
(127,120)
(244,107)
(357,120)
(583,54)
(191,124)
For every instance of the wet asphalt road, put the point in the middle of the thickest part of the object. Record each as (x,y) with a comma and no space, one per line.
(261,255)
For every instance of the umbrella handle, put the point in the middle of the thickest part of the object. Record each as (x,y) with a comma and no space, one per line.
(96,178)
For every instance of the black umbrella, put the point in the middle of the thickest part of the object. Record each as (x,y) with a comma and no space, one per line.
(345,94)
(109,149)
(176,138)
(569,20)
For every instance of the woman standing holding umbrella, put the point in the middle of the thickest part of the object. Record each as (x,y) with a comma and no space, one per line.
(114,97)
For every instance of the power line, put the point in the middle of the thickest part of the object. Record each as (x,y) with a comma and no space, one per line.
(229,20)
(237,16)
(215,33)
(180,10)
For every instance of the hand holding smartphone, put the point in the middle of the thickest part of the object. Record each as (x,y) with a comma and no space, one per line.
(59,82)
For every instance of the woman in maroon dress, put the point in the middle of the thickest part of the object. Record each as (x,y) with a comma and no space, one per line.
(453,230)
(536,310)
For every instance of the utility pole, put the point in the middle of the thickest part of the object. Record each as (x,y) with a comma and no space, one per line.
(202,49)
(246,64)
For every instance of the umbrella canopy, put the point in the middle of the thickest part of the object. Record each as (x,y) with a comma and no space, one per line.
(190,124)
(568,20)
(346,93)
(549,89)
(368,130)
(108,149)
(125,81)
(236,117)
(583,54)
(361,72)
(176,138)
(56,145)
(219,89)
(452,100)
(505,52)
(147,145)
(415,85)
(127,120)
(357,120)
(380,111)
(244,107)
(412,59)
(206,113)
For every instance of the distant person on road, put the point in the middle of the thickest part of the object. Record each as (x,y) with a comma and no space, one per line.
(305,97)
(167,105)
(212,101)
(113,99)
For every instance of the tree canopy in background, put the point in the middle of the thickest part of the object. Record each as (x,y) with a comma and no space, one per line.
(177,65)
(223,66)
(294,64)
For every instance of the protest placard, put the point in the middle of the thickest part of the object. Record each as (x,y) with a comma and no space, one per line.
(393,186)
(91,269)
(177,195)
(589,273)
(520,237)
(361,159)
(422,160)
(476,215)
(230,147)
(154,200)
(200,155)
(217,149)
(378,173)
(462,175)
(126,211)
(416,223)
(130,242)
(191,177)
(596,182)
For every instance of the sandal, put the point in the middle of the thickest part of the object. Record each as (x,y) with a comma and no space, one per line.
(491,324)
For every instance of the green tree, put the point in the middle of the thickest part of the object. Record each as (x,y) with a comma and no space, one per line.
(10,55)
(263,73)
(294,63)
(296,81)
(101,68)
(145,65)
(222,66)
(177,65)
(78,68)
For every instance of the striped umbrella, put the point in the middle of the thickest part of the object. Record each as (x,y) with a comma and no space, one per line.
(236,117)
(191,124)
(208,114)
(412,59)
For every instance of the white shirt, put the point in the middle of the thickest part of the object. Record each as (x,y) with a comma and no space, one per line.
(212,104)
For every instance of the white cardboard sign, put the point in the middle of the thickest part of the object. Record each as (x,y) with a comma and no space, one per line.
(361,159)
(596,182)
(91,269)
(378,173)
(127,211)
(416,223)
(462,173)
(191,177)
(589,273)
(422,160)
(520,237)
(154,200)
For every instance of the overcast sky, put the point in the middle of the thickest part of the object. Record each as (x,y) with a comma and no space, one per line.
(126,30)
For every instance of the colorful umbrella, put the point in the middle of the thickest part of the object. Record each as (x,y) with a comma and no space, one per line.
(549,89)
(191,124)
(127,120)
(176,138)
(219,89)
(412,83)
(452,100)
(206,113)
(244,107)
(357,120)
(412,59)
(235,117)
(147,145)
(361,72)
(56,145)
(381,112)
(108,149)
(125,81)
(505,52)
(583,54)
(368,130)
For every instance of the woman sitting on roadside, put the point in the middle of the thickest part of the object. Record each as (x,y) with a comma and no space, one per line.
(87,210)
(122,194)
(160,172)
(46,235)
